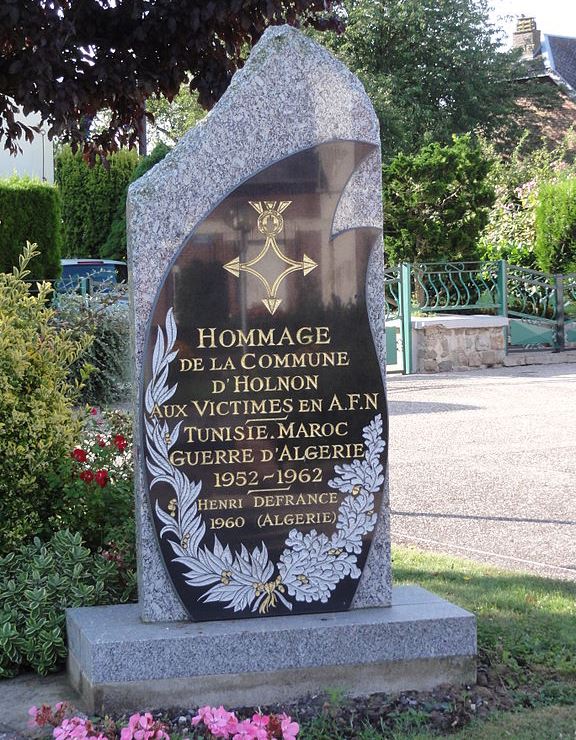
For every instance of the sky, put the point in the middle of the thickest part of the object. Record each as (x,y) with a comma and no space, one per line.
(554,17)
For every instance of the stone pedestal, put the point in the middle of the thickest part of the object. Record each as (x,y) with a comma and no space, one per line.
(118,663)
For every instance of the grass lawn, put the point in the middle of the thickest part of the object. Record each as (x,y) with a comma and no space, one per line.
(526,660)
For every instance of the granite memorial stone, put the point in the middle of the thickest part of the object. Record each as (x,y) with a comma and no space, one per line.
(256,267)
(267,216)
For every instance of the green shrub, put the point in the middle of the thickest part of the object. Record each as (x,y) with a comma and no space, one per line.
(90,197)
(115,245)
(517,178)
(102,316)
(37,423)
(556,226)
(436,202)
(95,484)
(37,583)
(30,210)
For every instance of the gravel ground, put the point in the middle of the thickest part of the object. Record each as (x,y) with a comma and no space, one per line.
(483,465)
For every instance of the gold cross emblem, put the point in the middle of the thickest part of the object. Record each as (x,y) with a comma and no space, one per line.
(270,223)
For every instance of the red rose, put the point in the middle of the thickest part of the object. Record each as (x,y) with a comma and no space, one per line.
(101,441)
(101,477)
(87,476)
(79,454)
(94,411)
(120,443)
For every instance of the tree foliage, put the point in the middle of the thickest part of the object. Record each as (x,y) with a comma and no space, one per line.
(37,425)
(90,197)
(69,59)
(436,202)
(172,119)
(432,68)
(517,179)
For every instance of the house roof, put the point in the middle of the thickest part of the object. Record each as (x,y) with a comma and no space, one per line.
(559,54)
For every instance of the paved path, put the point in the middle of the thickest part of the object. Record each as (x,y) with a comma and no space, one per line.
(483,464)
(18,694)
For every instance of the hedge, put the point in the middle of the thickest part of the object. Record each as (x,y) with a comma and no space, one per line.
(30,211)
(556,226)
(90,197)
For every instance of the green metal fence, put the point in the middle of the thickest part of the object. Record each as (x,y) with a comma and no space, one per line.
(541,306)
(398,298)
(456,286)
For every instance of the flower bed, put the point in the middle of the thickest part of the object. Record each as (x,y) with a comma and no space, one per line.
(209,722)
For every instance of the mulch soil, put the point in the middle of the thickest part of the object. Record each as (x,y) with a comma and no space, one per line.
(446,709)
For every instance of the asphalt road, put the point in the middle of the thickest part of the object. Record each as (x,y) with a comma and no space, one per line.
(483,465)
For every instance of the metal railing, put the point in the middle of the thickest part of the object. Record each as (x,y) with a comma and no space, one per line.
(457,286)
(529,296)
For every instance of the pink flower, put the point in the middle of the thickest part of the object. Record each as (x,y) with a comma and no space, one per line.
(43,716)
(220,722)
(143,727)
(226,725)
(33,714)
(76,728)
(289,729)
(246,730)
(260,720)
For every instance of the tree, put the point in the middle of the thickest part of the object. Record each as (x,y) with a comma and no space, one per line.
(90,197)
(556,226)
(30,209)
(172,119)
(432,68)
(436,202)
(69,59)
(517,179)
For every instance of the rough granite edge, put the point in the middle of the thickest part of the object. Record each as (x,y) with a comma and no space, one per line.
(234,141)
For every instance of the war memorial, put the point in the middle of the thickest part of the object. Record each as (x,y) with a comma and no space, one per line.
(262,502)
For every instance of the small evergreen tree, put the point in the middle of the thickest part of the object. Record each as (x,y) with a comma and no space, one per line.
(436,202)
(30,209)
(37,424)
(90,197)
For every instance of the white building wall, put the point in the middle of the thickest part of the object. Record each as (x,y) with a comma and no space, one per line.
(36,160)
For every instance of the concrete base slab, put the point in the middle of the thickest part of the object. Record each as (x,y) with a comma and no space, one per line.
(118,663)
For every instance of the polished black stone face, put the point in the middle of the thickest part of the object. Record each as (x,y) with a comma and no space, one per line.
(264,410)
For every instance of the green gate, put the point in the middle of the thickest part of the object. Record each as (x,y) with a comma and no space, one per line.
(569,303)
(398,301)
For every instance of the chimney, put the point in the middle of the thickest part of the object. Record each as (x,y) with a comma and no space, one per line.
(526,37)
